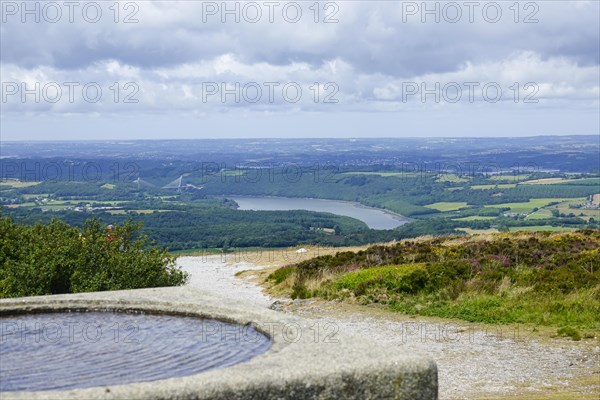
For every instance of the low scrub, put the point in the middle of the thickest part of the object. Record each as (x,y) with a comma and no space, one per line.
(542,278)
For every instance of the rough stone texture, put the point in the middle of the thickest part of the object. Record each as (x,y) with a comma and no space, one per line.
(312,365)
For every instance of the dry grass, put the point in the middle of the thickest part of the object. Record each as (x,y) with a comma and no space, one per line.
(285,256)
(273,259)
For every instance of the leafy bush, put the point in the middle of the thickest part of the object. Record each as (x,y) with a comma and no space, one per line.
(57,258)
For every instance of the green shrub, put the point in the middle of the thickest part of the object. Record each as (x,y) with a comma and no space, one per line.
(396,279)
(281,274)
(57,258)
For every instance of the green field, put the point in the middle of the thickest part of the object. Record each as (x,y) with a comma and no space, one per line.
(540,228)
(499,186)
(20,205)
(513,178)
(387,174)
(470,231)
(447,206)
(554,181)
(474,218)
(453,178)
(528,207)
(580,213)
(233,172)
(565,208)
(34,196)
(17,184)
(540,214)
(56,205)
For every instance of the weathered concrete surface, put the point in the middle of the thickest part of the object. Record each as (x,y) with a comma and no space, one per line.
(314,364)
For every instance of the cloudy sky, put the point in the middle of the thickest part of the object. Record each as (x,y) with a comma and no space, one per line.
(198,69)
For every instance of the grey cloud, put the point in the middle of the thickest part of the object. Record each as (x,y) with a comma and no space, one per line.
(372,37)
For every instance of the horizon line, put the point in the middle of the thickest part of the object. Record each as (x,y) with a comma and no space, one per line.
(298,138)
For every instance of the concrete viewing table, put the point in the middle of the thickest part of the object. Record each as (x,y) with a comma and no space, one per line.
(305,361)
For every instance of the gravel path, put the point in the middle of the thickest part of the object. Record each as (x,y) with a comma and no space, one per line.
(215,275)
(472,362)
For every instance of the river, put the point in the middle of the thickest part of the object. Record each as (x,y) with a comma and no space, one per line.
(375,218)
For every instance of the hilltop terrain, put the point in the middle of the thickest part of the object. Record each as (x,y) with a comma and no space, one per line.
(543,278)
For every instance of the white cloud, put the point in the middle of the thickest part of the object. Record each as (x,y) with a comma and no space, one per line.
(262,86)
(370,55)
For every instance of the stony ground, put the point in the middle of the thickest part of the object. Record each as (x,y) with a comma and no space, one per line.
(474,361)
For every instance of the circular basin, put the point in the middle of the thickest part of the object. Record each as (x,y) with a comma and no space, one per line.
(73,350)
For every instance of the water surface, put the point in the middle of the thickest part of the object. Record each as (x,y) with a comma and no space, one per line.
(62,351)
(375,218)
